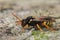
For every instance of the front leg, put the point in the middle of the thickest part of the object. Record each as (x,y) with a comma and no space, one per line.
(24,28)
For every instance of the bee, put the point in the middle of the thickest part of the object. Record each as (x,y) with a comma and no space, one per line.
(37,24)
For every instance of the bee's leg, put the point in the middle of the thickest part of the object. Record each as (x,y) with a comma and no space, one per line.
(48,26)
(24,28)
(39,28)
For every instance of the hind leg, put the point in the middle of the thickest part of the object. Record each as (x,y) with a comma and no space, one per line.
(48,26)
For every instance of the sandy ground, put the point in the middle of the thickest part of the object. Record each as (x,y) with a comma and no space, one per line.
(23,9)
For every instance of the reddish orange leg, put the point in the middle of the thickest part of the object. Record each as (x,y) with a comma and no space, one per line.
(48,26)
(25,27)
(39,28)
